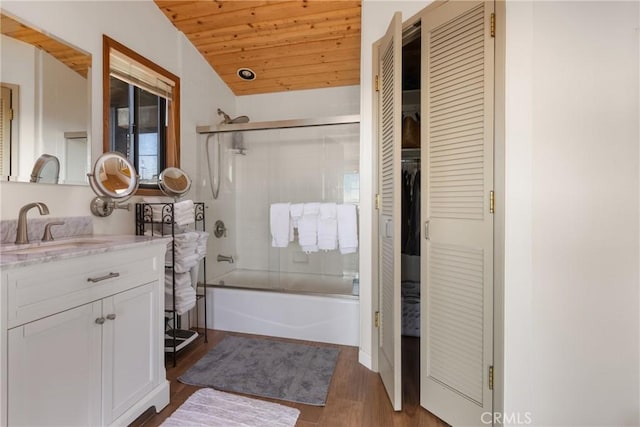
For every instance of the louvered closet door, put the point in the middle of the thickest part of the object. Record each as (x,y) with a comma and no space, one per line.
(457,269)
(389,146)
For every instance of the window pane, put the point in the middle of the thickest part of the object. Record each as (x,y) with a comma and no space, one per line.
(138,128)
(121,119)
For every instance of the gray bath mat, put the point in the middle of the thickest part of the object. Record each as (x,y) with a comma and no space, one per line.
(262,367)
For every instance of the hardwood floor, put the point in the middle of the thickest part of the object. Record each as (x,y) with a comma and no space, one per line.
(356,394)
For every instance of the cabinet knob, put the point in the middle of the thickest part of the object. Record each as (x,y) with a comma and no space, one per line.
(111,316)
(100,320)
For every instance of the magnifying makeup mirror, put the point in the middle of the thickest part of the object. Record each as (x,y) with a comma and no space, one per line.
(114,179)
(46,169)
(174,182)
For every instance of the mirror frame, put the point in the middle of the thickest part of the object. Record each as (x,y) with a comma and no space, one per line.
(164,182)
(172,146)
(100,189)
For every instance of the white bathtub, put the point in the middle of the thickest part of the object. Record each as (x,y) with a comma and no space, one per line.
(301,306)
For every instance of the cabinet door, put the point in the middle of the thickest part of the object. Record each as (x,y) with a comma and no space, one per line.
(130,349)
(54,369)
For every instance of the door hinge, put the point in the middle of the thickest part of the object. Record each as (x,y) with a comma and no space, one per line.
(492,202)
(377,201)
(377,319)
(490,377)
(377,84)
(493,25)
(11,114)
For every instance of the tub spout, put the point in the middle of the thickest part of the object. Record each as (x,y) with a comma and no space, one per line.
(225,258)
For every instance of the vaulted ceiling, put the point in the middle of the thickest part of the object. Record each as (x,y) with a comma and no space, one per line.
(290,45)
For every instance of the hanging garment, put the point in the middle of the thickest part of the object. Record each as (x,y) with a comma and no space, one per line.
(413,239)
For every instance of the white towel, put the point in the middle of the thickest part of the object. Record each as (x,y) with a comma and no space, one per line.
(308,233)
(184,212)
(183,280)
(327,210)
(327,227)
(311,209)
(158,207)
(279,221)
(296,213)
(308,227)
(184,302)
(347,228)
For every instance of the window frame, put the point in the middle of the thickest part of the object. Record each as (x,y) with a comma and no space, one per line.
(172,142)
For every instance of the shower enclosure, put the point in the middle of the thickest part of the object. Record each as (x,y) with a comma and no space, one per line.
(289,161)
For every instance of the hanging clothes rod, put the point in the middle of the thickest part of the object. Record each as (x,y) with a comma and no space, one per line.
(279,124)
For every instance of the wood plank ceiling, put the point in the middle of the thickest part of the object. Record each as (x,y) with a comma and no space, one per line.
(73,58)
(290,45)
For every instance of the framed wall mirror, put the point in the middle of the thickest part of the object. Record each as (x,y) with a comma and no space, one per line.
(46,103)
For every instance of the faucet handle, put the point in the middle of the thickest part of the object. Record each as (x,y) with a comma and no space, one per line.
(47,236)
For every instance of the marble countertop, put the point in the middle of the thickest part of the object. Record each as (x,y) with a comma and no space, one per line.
(12,255)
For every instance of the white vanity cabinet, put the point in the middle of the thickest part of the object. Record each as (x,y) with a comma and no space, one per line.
(83,339)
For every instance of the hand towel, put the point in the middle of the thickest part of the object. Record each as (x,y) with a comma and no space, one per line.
(279,221)
(308,227)
(296,213)
(327,227)
(347,228)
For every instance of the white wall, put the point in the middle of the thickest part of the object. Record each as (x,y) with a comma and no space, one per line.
(572,212)
(64,109)
(21,71)
(301,104)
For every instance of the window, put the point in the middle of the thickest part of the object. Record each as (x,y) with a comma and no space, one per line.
(141,112)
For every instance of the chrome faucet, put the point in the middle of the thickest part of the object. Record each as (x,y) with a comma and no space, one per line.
(22,236)
(222,258)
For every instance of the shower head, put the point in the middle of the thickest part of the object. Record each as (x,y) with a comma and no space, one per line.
(228,120)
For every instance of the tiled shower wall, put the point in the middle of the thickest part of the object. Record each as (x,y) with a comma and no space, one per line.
(313,164)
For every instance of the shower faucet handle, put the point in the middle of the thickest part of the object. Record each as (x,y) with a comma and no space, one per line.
(220,229)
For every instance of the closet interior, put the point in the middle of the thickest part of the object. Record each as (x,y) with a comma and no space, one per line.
(410,217)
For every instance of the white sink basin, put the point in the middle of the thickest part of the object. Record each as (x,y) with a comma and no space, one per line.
(53,246)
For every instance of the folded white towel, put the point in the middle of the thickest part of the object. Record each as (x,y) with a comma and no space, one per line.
(159,207)
(311,209)
(183,280)
(296,213)
(327,210)
(190,236)
(184,303)
(279,221)
(308,233)
(201,245)
(184,212)
(347,228)
(308,227)
(327,234)
(184,264)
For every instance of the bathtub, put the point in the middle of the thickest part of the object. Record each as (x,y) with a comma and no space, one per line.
(289,305)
